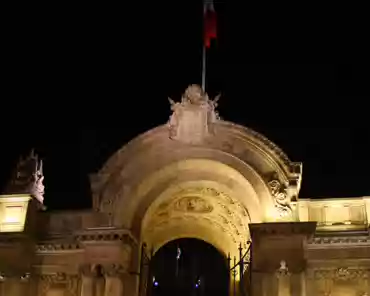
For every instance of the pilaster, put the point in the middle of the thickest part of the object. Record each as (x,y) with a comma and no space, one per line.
(274,244)
(284,276)
(113,280)
(87,281)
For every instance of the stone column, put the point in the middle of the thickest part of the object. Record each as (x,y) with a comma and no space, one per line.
(87,281)
(283,276)
(303,283)
(113,281)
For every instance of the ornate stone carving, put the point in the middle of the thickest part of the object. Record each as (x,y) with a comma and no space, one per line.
(70,283)
(352,278)
(281,199)
(122,235)
(28,178)
(340,274)
(193,118)
(58,246)
(318,241)
(216,208)
(193,204)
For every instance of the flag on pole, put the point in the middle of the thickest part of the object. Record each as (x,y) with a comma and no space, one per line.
(210,22)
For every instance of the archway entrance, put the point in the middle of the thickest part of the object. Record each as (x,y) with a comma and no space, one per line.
(198,177)
(189,267)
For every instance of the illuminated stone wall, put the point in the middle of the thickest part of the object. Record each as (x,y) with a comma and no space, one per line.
(336,214)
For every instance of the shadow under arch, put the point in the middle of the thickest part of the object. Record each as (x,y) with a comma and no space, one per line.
(190,267)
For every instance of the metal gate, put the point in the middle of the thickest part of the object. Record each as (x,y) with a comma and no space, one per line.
(145,272)
(240,270)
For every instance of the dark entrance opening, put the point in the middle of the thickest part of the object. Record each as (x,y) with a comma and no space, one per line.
(189,267)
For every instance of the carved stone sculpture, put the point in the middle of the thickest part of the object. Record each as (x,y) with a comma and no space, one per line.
(69,282)
(281,199)
(193,118)
(193,204)
(28,178)
(283,269)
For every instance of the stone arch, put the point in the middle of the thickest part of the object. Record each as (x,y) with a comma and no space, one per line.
(233,162)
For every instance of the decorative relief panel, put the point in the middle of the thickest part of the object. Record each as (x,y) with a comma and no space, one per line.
(192,204)
(68,282)
(330,281)
(203,205)
(340,274)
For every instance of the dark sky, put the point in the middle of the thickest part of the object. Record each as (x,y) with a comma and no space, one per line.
(81,81)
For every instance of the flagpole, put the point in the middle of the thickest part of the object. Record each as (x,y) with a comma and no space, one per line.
(204,68)
(204,49)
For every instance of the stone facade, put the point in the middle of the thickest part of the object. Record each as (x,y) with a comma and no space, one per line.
(198,177)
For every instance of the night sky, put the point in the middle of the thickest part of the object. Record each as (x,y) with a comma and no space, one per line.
(80,82)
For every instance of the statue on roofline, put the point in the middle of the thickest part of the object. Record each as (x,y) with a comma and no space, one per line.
(193,118)
(28,178)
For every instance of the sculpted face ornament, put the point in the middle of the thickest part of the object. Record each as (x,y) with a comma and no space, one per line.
(193,118)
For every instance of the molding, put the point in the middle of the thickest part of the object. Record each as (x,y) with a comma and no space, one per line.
(86,236)
(319,242)
(282,228)
(343,273)
(58,247)
(106,234)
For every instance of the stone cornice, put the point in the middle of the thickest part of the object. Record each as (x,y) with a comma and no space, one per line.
(106,234)
(47,247)
(339,274)
(346,241)
(282,228)
(76,242)
(6,238)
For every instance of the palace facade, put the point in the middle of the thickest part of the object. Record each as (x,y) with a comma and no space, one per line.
(195,177)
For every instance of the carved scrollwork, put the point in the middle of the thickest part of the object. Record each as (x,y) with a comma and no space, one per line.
(193,204)
(281,199)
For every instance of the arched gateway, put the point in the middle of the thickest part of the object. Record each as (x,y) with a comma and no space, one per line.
(197,177)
